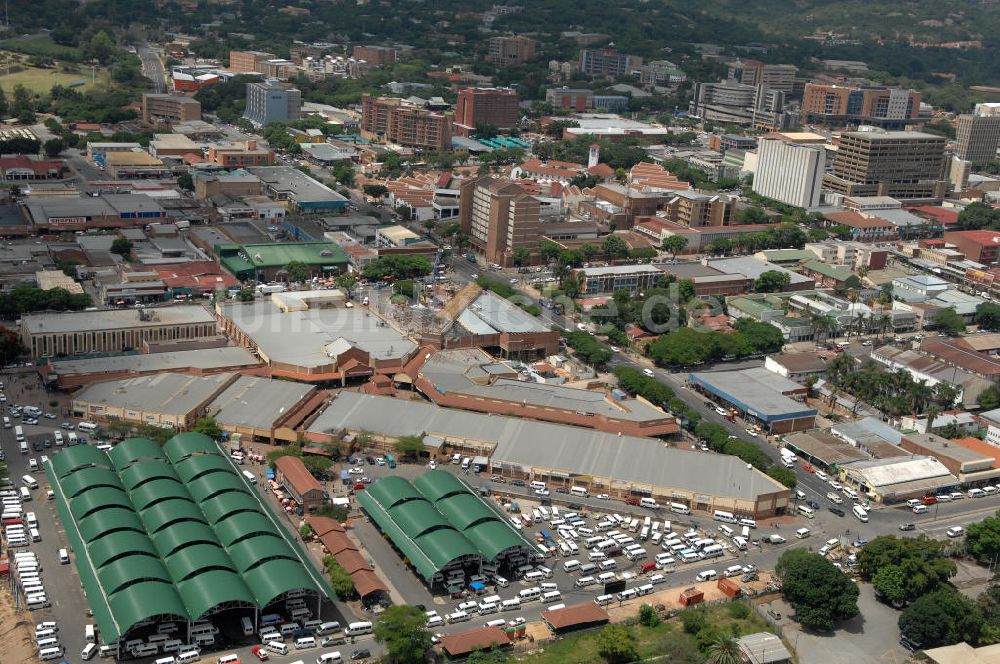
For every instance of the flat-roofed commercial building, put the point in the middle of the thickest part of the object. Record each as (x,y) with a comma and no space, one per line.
(979,134)
(304,194)
(907,165)
(633,278)
(513,50)
(601,462)
(316,344)
(166,399)
(471,379)
(79,213)
(173,108)
(791,170)
(837,104)
(255,406)
(897,479)
(477,107)
(263,262)
(67,374)
(112,331)
(480,318)
(293,475)
(405,123)
(759,395)
(132,165)
(248,61)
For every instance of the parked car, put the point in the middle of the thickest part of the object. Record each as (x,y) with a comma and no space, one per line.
(836,510)
(907,526)
(955,531)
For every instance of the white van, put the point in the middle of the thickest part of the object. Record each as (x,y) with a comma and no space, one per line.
(537,486)
(89,427)
(727,517)
(510,604)
(29,481)
(860,513)
(328,628)
(802,533)
(89,651)
(920,509)
(579,491)
(194,655)
(707,575)
(649,502)
(59,438)
(358,628)
(734,570)
(277,647)
(806,511)
(585,581)
(726,530)
(604,600)
(6,422)
(530,594)
(50,653)
(571,565)
(329,658)
(249,477)
(305,642)
(976,493)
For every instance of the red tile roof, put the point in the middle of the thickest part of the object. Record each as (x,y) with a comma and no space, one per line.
(322,525)
(37,166)
(857,220)
(296,474)
(982,238)
(578,615)
(196,275)
(941,215)
(462,643)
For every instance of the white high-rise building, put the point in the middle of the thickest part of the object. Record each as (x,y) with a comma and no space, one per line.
(790,168)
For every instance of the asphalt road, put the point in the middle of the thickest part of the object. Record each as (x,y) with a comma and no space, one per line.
(152,68)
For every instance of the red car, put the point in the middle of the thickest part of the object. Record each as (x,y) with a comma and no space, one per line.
(809,469)
(359,486)
(647,567)
(631,501)
(929,500)
(260,653)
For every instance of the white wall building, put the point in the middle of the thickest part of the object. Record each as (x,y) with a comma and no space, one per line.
(790,168)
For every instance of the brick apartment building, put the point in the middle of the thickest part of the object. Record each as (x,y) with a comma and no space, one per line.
(980,246)
(248,61)
(240,155)
(514,50)
(173,108)
(607,62)
(906,165)
(376,56)
(694,209)
(840,105)
(499,217)
(476,107)
(399,121)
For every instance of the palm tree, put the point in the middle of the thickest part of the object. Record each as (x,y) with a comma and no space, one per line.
(932,414)
(723,649)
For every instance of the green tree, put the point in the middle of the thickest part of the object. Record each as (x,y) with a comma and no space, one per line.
(54,147)
(245,295)
(982,539)
(519,256)
(347,281)
(614,247)
(100,47)
(549,250)
(305,531)
(674,244)
(989,398)
(209,427)
(402,630)
(772,281)
(949,322)
(410,446)
(185,182)
(648,617)
(121,246)
(478,656)
(297,271)
(978,216)
(885,296)
(723,649)
(919,562)
(341,582)
(10,346)
(941,618)
(375,190)
(820,593)
(988,316)
(693,620)
(406,287)
(752,215)
(617,644)
(783,475)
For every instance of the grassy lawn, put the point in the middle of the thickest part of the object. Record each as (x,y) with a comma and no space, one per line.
(42,80)
(666,639)
(40,45)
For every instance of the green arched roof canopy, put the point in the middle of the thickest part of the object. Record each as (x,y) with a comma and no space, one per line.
(445,545)
(157,491)
(147,470)
(256,550)
(101,498)
(123,544)
(109,522)
(208,486)
(437,484)
(493,538)
(76,457)
(241,525)
(192,559)
(185,444)
(229,504)
(275,577)
(464,510)
(157,517)
(84,479)
(392,490)
(145,600)
(203,465)
(125,572)
(129,451)
(212,588)
(180,535)
(418,517)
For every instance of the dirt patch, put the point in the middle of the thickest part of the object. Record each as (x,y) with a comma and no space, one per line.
(16,632)
(670,597)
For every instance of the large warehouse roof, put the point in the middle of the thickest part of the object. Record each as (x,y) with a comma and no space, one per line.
(756,391)
(567,449)
(437,519)
(172,393)
(158,532)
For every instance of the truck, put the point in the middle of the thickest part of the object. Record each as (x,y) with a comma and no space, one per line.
(266,289)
